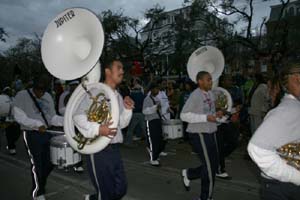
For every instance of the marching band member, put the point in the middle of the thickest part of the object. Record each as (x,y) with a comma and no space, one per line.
(200,113)
(12,130)
(153,117)
(65,96)
(62,104)
(34,110)
(106,167)
(280,181)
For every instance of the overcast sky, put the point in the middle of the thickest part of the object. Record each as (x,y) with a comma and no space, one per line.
(22,18)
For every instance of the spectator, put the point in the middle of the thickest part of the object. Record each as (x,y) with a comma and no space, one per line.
(12,130)
(137,123)
(188,88)
(173,97)
(260,102)
(63,100)
(58,90)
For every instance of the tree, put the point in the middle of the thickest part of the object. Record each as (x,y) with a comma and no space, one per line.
(145,45)
(3,35)
(196,26)
(254,45)
(115,29)
(26,56)
(123,34)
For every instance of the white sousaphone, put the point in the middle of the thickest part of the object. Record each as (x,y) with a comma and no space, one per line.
(71,47)
(210,59)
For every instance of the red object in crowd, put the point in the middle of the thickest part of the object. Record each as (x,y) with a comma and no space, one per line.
(136,69)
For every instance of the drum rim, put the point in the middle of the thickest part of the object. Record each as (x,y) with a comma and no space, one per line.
(172,122)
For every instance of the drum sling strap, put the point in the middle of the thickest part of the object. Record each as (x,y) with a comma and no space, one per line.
(159,114)
(38,107)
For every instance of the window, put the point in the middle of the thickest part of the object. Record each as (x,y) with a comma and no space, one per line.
(169,18)
(298,11)
(291,11)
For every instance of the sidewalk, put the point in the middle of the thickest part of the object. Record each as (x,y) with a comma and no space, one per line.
(144,182)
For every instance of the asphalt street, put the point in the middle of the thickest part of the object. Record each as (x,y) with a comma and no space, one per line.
(144,181)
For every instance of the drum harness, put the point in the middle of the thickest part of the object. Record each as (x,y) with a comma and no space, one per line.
(38,107)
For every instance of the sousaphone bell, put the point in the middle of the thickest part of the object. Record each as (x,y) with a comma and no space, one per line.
(211,59)
(71,47)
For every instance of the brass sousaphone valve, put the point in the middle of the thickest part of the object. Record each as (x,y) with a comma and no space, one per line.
(291,153)
(99,111)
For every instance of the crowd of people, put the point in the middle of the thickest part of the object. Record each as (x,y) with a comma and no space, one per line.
(145,103)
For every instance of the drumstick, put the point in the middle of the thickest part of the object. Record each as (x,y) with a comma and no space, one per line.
(56,132)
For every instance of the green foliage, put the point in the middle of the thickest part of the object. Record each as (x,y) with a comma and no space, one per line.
(25,58)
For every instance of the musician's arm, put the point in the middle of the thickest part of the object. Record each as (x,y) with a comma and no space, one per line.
(148,107)
(272,165)
(62,110)
(86,128)
(125,118)
(21,117)
(187,113)
(61,105)
(56,120)
(125,114)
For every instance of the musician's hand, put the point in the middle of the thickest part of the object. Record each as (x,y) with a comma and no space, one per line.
(128,103)
(211,118)
(170,110)
(104,130)
(42,129)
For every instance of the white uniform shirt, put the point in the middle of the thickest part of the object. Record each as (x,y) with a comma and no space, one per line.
(28,116)
(280,126)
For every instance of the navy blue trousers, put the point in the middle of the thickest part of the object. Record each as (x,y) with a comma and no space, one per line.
(12,133)
(227,140)
(107,174)
(155,139)
(276,190)
(205,145)
(38,149)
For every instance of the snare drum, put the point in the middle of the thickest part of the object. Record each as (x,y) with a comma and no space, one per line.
(61,152)
(172,129)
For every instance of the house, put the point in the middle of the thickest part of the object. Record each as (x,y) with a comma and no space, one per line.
(184,31)
(283,28)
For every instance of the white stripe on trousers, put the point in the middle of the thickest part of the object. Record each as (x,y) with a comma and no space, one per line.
(208,165)
(150,142)
(95,175)
(34,193)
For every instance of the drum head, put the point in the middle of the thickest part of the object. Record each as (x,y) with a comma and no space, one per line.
(59,141)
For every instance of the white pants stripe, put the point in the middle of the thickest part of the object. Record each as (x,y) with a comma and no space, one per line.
(150,141)
(34,193)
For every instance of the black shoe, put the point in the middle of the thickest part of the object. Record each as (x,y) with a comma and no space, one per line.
(185,180)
